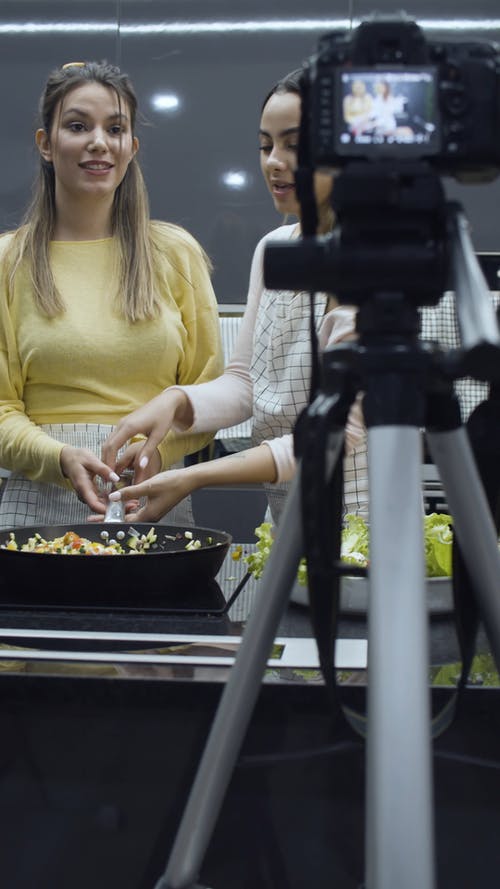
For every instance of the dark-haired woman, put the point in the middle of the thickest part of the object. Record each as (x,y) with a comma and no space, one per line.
(268,378)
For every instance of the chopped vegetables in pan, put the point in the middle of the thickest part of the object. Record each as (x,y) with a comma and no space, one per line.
(72,544)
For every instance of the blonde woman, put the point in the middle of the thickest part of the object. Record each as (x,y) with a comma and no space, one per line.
(101,308)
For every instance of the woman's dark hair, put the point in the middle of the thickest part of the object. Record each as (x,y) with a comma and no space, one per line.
(290,83)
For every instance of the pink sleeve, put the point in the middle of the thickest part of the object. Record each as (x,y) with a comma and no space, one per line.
(228,400)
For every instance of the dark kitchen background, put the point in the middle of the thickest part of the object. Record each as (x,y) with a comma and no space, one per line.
(201,69)
(97,757)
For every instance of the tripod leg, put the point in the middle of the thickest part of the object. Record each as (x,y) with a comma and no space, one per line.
(399,833)
(239,697)
(472,519)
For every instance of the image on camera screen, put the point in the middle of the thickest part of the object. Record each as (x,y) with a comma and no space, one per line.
(388,112)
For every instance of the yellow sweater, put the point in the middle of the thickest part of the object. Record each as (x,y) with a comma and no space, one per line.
(89,365)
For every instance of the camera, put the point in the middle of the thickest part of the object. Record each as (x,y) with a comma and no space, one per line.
(384,92)
(388,113)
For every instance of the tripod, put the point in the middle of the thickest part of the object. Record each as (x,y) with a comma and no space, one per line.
(399,377)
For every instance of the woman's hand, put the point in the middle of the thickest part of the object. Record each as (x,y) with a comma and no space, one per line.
(80,466)
(129,459)
(167,489)
(153,420)
(162,493)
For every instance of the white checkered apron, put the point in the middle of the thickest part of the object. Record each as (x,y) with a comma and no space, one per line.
(26,503)
(281,373)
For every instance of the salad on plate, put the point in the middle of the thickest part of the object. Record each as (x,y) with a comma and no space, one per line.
(355,546)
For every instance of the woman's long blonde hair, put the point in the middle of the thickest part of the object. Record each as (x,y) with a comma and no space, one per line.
(137,295)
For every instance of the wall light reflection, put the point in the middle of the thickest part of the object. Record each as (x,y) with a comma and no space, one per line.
(235,27)
(165,102)
(236,179)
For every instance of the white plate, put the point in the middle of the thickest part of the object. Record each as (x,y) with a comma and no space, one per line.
(354,595)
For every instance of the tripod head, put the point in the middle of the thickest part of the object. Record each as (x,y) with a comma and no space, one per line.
(391,235)
(398,244)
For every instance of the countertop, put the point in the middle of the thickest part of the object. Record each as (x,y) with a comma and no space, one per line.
(164,634)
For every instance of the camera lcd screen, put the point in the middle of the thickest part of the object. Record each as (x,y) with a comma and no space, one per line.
(387,112)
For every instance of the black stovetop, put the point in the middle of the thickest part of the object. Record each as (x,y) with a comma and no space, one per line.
(202,611)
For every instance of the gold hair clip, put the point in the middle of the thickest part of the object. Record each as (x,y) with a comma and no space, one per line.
(73,65)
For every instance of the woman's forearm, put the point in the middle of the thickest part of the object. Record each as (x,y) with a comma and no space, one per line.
(165,490)
(251,466)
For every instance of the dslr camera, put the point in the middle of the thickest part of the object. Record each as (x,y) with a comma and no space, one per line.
(384,92)
(389,113)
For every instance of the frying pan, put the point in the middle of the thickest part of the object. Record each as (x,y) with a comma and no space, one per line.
(146,580)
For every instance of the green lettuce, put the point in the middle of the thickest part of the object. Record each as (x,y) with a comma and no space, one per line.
(354,546)
(438,539)
(256,561)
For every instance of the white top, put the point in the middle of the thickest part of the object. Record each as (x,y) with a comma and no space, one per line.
(268,376)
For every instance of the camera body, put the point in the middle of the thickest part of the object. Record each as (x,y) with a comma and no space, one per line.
(387,93)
